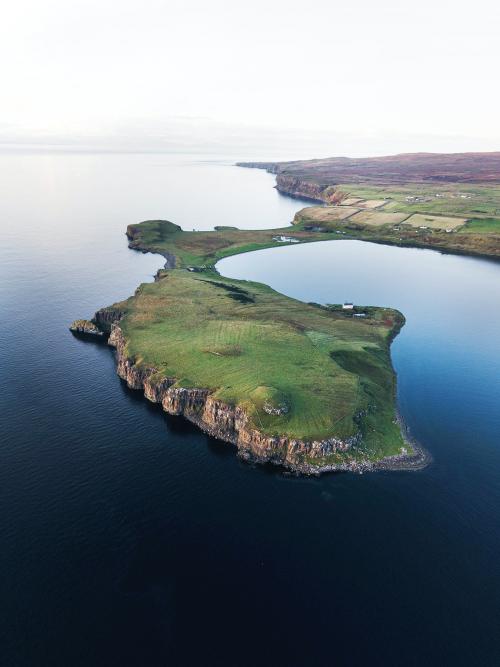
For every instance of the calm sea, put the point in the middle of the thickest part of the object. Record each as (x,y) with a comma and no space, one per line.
(128,538)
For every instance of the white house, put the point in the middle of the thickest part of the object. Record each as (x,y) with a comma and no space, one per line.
(348,306)
(285,239)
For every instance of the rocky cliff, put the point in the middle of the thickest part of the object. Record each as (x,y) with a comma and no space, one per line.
(296,187)
(231,423)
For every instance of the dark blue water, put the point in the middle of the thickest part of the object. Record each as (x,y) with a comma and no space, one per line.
(129,538)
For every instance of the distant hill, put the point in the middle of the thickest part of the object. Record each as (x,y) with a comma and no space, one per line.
(392,169)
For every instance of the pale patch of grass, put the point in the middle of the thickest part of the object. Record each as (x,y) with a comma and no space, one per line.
(371,203)
(435,221)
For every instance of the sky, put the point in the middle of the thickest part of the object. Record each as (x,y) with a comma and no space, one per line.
(267,77)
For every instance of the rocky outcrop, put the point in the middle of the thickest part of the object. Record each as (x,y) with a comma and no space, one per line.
(227,422)
(271,409)
(85,327)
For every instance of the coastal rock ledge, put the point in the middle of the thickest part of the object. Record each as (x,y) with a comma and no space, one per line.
(86,327)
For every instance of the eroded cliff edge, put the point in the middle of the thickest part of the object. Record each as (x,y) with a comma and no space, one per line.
(225,422)
(231,423)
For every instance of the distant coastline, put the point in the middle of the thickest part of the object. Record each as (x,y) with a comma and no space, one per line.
(445,202)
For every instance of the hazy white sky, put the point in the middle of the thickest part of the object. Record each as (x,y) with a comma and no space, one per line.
(353,77)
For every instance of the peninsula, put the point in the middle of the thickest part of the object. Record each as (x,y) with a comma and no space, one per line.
(305,386)
(449,202)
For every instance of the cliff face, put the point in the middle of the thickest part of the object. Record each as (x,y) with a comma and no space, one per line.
(229,423)
(297,187)
(105,318)
(291,185)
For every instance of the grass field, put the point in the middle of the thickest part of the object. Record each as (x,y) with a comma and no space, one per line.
(351,201)
(482,226)
(461,200)
(371,203)
(326,214)
(377,218)
(435,221)
(254,347)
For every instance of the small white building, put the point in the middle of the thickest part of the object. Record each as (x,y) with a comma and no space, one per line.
(347,306)
(285,239)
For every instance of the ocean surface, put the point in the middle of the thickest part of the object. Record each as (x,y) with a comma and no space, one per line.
(129,538)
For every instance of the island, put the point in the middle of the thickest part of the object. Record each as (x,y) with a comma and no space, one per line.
(308,387)
(448,202)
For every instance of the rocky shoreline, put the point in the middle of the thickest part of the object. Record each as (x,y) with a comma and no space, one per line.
(231,423)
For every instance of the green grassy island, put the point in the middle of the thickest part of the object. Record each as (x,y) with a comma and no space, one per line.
(306,386)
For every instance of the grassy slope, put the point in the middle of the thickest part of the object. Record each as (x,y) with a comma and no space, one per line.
(253,347)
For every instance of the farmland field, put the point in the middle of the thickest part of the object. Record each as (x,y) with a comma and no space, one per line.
(371,203)
(462,200)
(482,225)
(378,218)
(351,201)
(435,221)
(329,213)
